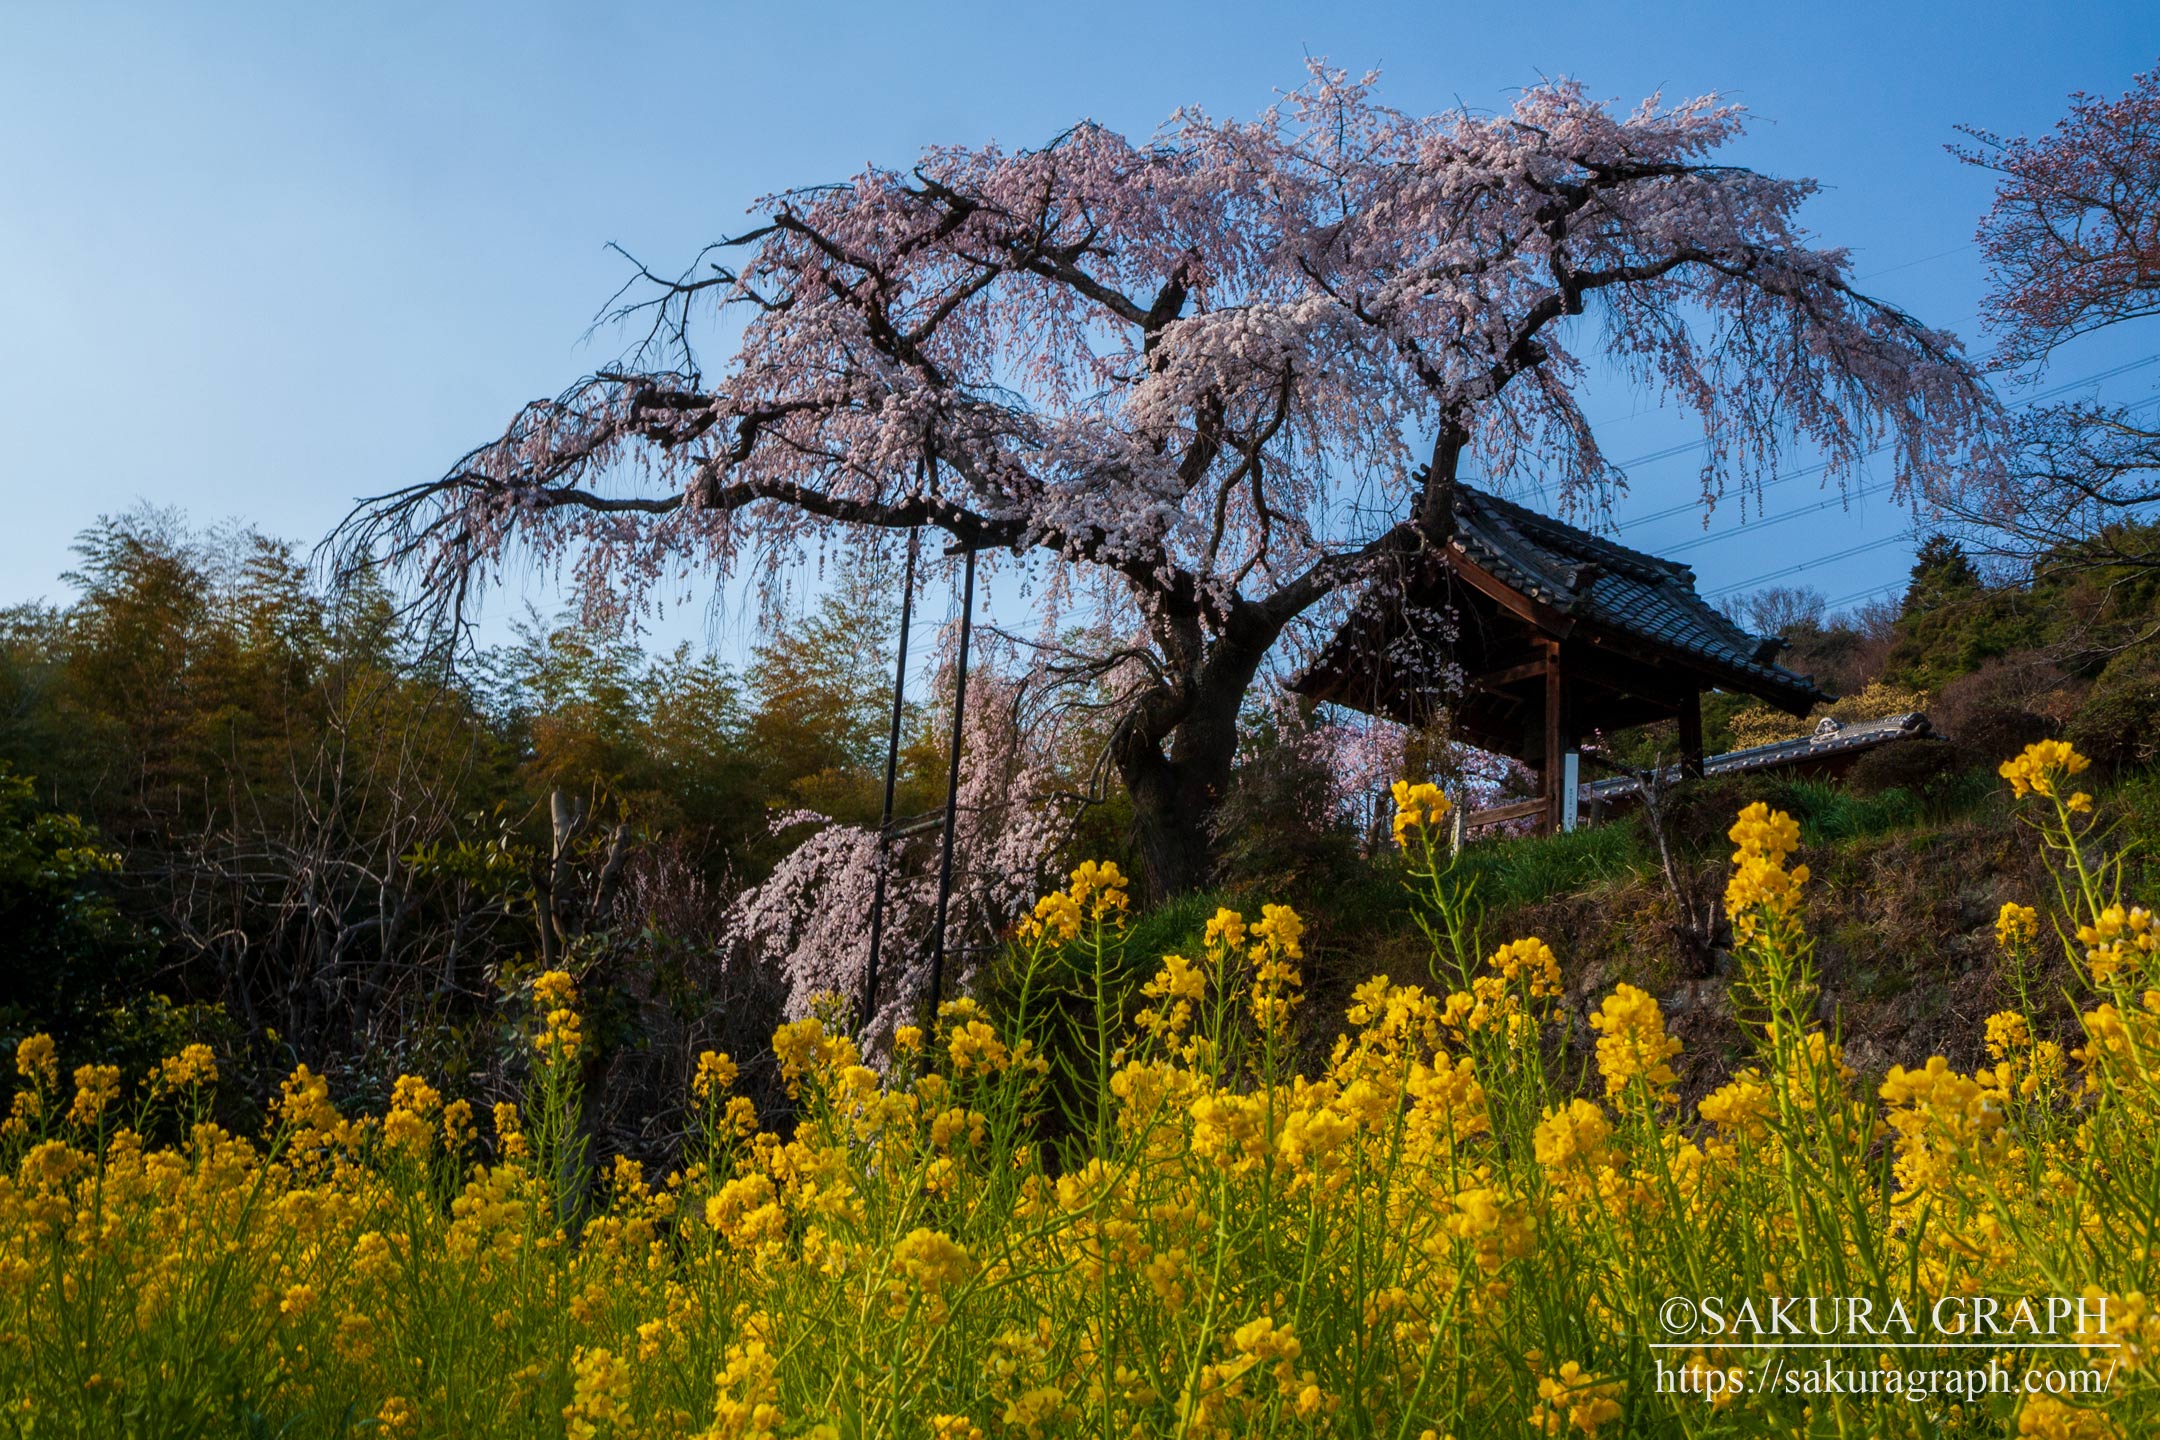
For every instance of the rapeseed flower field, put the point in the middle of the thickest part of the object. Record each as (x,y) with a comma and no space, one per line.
(1449,1229)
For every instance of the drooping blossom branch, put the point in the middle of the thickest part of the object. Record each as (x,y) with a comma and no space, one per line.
(1213,377)
(2072,243)
(808,921)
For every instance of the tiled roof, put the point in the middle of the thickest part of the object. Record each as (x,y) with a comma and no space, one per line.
(1591,578)
(1828,738)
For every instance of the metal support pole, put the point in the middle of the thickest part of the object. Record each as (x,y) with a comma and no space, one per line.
(867,1005)
(952,790)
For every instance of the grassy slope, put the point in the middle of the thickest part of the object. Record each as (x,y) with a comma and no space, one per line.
(1902,907)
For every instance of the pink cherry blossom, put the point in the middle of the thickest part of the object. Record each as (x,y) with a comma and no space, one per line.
(1210,380)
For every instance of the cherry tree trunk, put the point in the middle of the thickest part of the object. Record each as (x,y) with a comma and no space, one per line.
(1177,787)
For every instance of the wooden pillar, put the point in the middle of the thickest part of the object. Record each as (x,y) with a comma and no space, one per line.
(1691,741)
(1559,741)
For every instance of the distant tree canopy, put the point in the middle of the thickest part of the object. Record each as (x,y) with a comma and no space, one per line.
(1951,622)
(1997,656)
(1996,660)
(1782,609)
(232,798)
(324,830)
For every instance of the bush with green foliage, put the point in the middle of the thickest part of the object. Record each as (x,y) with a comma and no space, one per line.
(71,956)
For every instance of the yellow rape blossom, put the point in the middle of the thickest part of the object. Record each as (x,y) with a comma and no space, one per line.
(600,1392)
(195,1065)
(1762,891)
(1096,891)
(1418,806)
(1225,930)
(1570,1144)
(2119,943)
(561,1033)
(2043,1417)
(37,1060)
(1230,1243)
(96,1087)
(2042,767)
(1632,1045)
(714,1077)
(1528,962)
(1575,1399)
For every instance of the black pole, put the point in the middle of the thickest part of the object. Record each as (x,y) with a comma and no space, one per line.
(867,1006)
(952,791)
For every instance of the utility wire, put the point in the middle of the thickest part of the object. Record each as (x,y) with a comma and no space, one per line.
(1824,505)
(1873,487)
(1923,260)
(1858,595)
(2053,392)
(1870,275)
(1860,549)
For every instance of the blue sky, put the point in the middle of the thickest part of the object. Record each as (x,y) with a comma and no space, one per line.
(257,261)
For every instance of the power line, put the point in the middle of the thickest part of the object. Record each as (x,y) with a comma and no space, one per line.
(1886,270)
(1858,595)
(1844,497)
(1824,505)
(1923,260)
(1683,507)
(1841,498)
(1846,554)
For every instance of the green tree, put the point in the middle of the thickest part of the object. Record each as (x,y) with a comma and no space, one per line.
(67,954)
(821,700)
(1951,621)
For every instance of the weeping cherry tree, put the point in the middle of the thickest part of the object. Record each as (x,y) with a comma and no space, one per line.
(1202,385)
